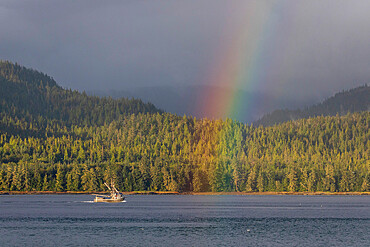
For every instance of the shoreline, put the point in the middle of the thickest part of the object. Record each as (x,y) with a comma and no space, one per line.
(177,193)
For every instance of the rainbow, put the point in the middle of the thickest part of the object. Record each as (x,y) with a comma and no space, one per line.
(242,59)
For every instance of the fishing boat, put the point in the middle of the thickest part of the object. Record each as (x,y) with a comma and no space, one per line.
(115,195)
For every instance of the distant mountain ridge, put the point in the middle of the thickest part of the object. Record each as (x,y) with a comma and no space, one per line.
(189,100)
(350,101)
(29,94)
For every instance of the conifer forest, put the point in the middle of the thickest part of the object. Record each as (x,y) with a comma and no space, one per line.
(54,139)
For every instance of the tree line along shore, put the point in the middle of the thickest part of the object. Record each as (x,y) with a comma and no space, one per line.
(170,153)
(317,193)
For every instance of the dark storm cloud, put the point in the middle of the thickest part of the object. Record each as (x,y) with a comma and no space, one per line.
(120,44)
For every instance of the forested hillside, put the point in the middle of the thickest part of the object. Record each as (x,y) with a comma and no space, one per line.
(354,100)
(33,96)
(151,150)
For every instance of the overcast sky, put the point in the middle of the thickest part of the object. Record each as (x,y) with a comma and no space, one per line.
(307,47)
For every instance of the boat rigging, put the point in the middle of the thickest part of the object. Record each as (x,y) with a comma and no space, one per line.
(115,195)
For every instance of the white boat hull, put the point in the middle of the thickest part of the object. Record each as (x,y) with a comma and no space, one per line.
(101,199)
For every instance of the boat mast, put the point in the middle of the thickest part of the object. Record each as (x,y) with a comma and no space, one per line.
(115,189)
(107,186)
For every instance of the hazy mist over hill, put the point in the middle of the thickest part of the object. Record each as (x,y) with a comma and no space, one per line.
(185,100)
(297,52)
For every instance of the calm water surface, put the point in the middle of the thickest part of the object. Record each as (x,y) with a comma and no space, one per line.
(185,220)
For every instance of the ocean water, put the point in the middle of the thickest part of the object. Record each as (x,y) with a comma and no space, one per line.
(185,220)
